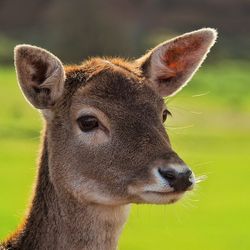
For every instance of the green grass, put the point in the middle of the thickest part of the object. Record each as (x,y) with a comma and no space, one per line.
(210,132)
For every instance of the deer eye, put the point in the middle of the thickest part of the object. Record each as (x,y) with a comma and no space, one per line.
(87,123)
(165,115)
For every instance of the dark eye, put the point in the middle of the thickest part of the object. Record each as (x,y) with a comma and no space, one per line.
(165,115)
(87,123)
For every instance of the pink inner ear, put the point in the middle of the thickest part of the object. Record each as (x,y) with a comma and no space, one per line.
(183,54)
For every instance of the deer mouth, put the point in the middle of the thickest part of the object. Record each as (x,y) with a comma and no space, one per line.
(161,197)
(166,193)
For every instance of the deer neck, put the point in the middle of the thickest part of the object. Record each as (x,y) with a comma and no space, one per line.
(56,222)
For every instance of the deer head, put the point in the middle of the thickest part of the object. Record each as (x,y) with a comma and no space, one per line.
(105,120)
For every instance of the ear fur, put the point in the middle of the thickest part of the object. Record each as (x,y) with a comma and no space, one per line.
(170,65)
(40,75)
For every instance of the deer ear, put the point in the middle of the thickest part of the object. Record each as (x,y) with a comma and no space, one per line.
(40,75)
(170,65)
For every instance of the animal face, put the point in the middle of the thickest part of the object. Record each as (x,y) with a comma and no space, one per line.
(105,120)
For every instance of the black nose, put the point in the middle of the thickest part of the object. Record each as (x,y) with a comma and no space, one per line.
(180,181)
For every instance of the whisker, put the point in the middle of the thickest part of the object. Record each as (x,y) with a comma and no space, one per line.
(186,110)
(196,112)
(188,202)
(206,173)
(200,178)
(178,128)
(202,163)
(202,94)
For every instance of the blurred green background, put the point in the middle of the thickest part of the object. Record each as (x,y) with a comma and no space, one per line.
(210,127)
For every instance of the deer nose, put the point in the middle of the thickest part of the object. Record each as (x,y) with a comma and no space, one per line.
(178,180)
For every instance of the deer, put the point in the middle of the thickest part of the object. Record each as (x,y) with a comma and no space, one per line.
(104,143)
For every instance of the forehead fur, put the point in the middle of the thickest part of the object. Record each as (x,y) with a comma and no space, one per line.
(113,78)
(95,66)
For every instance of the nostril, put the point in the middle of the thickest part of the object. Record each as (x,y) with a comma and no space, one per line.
(188,173)
(168,174)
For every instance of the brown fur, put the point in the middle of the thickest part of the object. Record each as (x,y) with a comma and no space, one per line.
(83,189)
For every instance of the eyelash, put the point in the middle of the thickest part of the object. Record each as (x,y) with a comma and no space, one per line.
(165,114)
